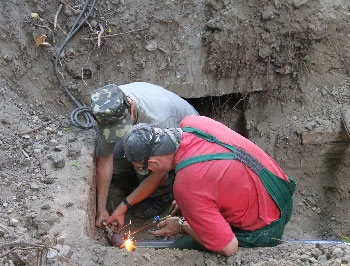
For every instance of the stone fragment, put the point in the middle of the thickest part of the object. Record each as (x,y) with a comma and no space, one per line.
(46,207)
(13,222)
(53,142)
(59,147)
(74,152)
(34,186)
(299,3)
(43,228)
(64,250)
(37,151)
(58,161)
(151,46)
(147,256)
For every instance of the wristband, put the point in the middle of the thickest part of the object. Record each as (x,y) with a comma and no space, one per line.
(181,221)
(127,204)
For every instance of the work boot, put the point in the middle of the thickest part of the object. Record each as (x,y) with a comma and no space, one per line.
(152,206)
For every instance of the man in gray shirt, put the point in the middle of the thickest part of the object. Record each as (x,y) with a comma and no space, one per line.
(116,109)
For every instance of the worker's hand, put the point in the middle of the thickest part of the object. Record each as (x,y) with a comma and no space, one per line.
(101,216)
(174,209)
(169,227)
(118,216)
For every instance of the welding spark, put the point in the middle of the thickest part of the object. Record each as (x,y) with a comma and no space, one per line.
(129,245)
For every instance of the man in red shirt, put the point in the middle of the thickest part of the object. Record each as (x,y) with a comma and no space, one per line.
(229,191)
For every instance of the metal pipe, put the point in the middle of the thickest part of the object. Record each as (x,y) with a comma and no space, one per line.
(166,243)
(153,244)
(329,242)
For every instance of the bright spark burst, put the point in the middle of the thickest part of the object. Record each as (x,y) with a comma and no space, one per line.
(129,245)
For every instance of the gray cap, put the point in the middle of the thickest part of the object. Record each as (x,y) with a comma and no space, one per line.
(143,141)
(110,108)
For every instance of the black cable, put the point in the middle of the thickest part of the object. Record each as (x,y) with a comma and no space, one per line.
(84,111)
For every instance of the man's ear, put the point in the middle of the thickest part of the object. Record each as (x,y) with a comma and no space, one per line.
(154,163)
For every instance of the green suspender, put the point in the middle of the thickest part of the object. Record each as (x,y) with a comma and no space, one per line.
(235,154)
(206,157)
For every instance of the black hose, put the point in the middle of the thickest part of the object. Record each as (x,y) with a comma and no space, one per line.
(84,111)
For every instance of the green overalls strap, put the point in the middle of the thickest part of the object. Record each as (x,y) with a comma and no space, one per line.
(279,189)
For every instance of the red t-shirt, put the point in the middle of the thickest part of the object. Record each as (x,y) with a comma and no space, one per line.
(216,194)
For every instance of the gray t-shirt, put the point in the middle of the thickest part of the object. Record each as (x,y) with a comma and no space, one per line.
(154,105)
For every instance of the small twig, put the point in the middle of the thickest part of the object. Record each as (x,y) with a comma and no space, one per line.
(25,153)
(58,26)
(99,35)
(4,228)
(67,5)
(241,99)
(116,34)
(56,16)
(35,129)
(82,75)
(7,252)
(340,100)
(42,26)
(22,245)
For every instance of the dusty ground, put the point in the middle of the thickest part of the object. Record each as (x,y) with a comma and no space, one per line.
(276,71)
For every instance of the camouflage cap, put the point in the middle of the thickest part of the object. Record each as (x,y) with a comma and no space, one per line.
(110,108)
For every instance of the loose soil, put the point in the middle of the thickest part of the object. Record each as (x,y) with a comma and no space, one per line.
(275,71)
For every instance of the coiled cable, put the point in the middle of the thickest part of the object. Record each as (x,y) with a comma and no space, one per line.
(80,111)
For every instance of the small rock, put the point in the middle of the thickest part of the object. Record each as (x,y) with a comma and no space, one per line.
(46,207)
(13,222)
(43,228)
(268,13)
(26,162)
(59,148)
(69,204)
(60,240)
(74,153)
(337,253)
(151,46)
(48,181)
(299,3)
(48,241)
(34,186)
(58,161)
(209,262)
(49,130)
(37,151)
(53,142)
(147,256)
(310,125)
(2,231)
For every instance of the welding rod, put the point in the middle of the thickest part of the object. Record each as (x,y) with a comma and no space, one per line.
(148,225)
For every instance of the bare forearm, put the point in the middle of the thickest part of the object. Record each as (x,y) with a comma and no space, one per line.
(104,173)
(146,187)
(187,229)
